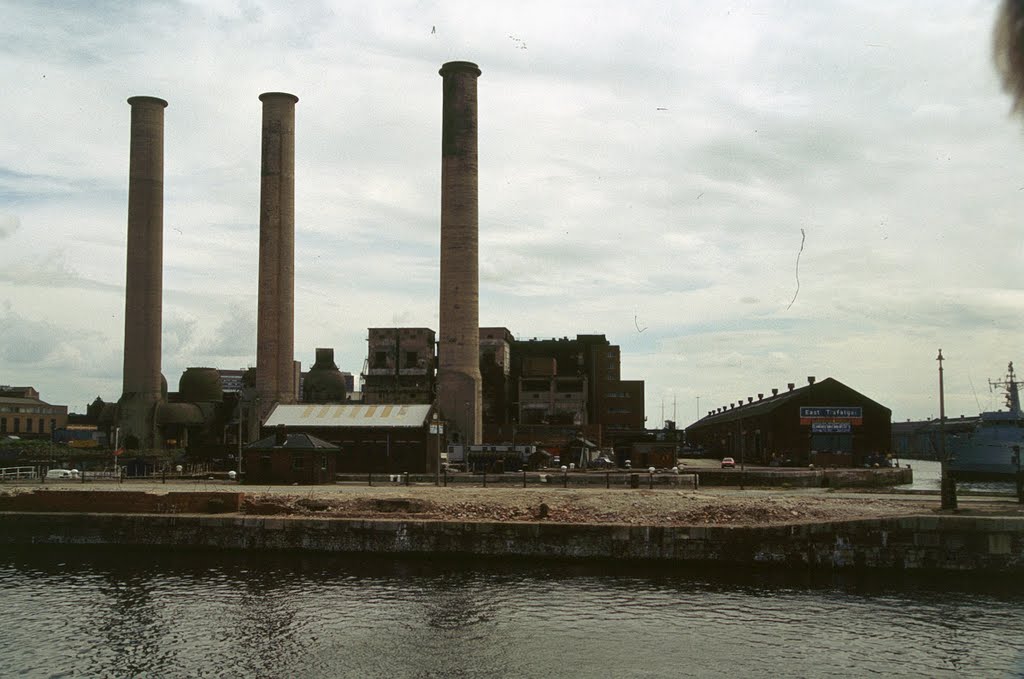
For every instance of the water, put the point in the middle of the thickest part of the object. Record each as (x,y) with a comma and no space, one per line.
(115,612)
(927,474)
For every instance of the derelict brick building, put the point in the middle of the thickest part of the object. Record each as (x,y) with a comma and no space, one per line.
(823,422)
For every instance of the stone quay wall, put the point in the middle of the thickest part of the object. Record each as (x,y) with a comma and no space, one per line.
(920,543)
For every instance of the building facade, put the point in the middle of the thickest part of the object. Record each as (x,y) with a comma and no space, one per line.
(24,414)
(400,366)
(574,381)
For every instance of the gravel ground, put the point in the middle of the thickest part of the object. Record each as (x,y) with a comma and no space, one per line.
(659,507)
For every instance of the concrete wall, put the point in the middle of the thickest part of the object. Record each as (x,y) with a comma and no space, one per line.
(913,543)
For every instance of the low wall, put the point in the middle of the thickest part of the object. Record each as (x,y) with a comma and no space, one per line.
(913,543)
(687,478)
(122,502)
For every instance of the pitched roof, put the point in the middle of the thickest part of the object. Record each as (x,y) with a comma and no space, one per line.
(292,442)
(767,404)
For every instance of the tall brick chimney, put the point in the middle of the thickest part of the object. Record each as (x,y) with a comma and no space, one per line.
(275,328)
(142,386)
(458,374)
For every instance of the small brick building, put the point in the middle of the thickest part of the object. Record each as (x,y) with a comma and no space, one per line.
(285,458)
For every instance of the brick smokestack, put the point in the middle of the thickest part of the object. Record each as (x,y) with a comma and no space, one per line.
(275,329)
(458,374)
(142,382)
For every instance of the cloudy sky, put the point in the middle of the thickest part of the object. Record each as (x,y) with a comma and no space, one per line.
(739,194)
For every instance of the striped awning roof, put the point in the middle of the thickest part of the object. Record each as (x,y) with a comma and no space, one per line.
(348,415)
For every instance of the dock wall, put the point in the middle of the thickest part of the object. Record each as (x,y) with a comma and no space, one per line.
(935,543)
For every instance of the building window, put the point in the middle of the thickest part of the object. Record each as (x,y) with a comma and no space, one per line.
(3,425)
(28,425)
(53,425)
(298,462)
(410,359)
(323,462)
(17,425)
(380,359)
(41,428)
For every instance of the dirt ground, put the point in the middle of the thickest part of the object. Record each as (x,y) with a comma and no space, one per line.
(637,507)
(657,507)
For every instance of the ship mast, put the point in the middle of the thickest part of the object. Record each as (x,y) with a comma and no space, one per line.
(1010,386)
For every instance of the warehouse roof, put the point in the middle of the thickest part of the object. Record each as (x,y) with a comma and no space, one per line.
(349,415)
(764,405)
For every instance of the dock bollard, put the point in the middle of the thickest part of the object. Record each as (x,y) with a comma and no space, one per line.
(565,477)
(446,477)
(634,480)
(524,477)
(650,475)
(407,478)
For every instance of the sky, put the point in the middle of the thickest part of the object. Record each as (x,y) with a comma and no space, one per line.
(738,194)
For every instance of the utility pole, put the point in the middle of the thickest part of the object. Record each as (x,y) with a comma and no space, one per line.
(947,484)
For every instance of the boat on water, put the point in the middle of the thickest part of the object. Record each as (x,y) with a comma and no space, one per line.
(986,452)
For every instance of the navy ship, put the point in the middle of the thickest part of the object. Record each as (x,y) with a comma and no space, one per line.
(987,452)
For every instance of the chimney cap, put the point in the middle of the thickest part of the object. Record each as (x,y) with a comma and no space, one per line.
(459,66)
(810,379)
(143,99)
(275,95)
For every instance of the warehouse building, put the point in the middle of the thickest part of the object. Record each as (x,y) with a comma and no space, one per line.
(383,438)
(823,423)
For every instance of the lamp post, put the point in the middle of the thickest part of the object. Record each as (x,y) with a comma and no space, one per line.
(947,490)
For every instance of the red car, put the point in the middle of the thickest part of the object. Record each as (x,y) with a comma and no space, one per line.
(728,462)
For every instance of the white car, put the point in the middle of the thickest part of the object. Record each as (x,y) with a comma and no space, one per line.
(58,474)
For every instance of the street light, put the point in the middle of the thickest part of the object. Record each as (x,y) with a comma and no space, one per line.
(947,490)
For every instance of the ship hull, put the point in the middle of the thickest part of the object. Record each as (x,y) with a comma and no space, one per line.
(985,454)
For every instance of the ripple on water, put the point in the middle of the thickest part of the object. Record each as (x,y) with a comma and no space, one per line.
(130,613)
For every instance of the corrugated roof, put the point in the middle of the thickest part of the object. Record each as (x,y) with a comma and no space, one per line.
(348,415)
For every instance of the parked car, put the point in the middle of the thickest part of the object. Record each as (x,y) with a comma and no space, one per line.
(728,462)
(58,474)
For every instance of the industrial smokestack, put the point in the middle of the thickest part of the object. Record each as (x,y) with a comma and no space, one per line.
(142,387)
(275,330)
(458,374)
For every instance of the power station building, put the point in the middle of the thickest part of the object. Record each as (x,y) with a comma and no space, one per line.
(480,382)
(400,366)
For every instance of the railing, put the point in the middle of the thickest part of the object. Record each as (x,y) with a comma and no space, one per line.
(16,473)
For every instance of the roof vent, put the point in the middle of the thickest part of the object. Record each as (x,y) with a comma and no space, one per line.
(760,397)
(810,379)
(775,392)
(790,386)
(750,399)
(731,406)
